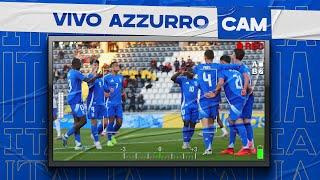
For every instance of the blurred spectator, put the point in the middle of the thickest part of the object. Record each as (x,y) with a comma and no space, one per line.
(153,64)
(189,59)
(125,82)
(63,73)
(143,74)
(56,74)
(132,74)
(132,89)
(66,69)
(123,98)
(153,76)
(176,65)
(183,63)
(168,67)
(86,59)
(161,68)
(125,72)
(61,54)
(93,58)
(132,102)
(56,45)
(105,69)
(148,76)
(141,102)
(189,63)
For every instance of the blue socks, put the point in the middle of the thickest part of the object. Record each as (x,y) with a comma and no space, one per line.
(249,130)
(232,136)
(94,132)
(185,134)
(116,127)
(243,134)
(70,131)
(190,134)
(187,131)
(208,133)
(110,131)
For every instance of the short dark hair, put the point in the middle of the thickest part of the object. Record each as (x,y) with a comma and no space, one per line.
(76,63)
(225,58)
(209,54)
(112,63)
(94,61)
(239,53)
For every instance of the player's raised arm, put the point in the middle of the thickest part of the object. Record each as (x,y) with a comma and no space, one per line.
(228,66)
(175,78)
(89,80)
(106,86)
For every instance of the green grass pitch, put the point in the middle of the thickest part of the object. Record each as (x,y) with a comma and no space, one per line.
(154,144)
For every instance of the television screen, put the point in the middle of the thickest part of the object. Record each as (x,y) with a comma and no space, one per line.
(158,101)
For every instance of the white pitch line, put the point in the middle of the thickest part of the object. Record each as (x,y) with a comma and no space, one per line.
(143,142)
(98,152)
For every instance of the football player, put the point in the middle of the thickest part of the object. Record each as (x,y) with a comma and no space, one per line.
(232,82)
(113,83)
(189,105)
(95,103)
(209,98)
(75,78)
(237,57)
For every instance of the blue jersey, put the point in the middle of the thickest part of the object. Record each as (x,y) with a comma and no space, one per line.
(96,92)
(113,82)
(189,90)
(207,77)
(233,84)
(75,79)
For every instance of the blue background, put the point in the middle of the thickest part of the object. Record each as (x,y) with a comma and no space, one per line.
(294,107)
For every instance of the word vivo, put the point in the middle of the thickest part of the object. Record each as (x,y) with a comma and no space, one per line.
(232,24)
(132,20)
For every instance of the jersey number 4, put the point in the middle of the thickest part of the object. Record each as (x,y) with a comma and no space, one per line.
(207,78)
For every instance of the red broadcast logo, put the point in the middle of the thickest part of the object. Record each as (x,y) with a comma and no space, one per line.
(256,45)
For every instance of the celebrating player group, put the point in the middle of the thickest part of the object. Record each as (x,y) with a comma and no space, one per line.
(201,95)
(209,78)
(104,102)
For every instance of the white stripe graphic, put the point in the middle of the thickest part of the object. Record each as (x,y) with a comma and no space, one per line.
(295,24)
(39,17)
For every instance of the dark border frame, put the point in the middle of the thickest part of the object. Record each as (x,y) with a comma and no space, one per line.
(258,163)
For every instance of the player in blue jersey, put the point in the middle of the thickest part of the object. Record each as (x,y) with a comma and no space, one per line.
(232,82)
(95,103)
(206,75)
(102,126)
(113,84)
(237,57)
(189,105)
(75,78)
